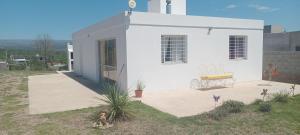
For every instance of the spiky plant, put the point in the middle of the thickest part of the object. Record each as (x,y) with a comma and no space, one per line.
(118,102)
(140,85)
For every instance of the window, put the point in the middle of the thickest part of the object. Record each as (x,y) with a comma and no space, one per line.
(173,49)
(72,55)
(110,53)
(297,48)
(237,47)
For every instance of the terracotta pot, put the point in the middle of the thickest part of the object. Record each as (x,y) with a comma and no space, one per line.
(138,93)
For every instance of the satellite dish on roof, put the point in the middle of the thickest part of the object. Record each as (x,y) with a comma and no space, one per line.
(132,4)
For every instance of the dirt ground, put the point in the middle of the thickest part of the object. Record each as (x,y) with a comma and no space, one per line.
(15,120)
(14,111)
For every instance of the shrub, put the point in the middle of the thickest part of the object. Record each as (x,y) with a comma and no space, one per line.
(118,102)
(265,107)
(282,97)
(225,109)
(257,102)
(37,66)
(218,113)
(17,67)
(233,106)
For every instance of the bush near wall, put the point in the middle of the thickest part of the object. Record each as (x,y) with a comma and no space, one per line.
(17,67)
(36,66)
(282,97)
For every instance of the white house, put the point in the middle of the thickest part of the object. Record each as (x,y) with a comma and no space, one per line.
(70,56)
(167,51)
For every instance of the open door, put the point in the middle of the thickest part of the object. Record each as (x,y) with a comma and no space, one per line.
(108,60)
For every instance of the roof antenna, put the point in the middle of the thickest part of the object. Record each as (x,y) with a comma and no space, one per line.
(132,5)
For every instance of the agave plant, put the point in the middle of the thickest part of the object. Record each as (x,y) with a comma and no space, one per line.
(118,102)
(140,85)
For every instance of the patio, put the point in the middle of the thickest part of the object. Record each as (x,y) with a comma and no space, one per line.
(190,102)
(61,92)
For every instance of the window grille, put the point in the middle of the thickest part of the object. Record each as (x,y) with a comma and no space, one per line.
(174,49)
(238,47)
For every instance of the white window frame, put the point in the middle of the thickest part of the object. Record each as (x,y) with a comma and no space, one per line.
(176,47)
(235,50)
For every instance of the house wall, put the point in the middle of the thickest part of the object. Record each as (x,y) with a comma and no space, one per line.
(287,41)
(86,55)
(70,60)
(276,42)
(294,40)
(207,53)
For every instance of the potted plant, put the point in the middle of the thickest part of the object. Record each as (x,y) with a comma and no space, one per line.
(139,89)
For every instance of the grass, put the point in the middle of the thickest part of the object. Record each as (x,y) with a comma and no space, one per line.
(14,119)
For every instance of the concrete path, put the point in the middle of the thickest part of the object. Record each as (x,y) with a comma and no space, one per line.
(59,92)
(183,103)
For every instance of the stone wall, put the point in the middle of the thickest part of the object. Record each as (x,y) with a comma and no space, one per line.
(287,63)
(276,42)
(287,41)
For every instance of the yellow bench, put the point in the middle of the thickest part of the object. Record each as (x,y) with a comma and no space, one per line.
(217,76)
(205,80)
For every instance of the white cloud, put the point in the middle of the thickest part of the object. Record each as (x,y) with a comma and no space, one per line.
(231,6)
(263,8)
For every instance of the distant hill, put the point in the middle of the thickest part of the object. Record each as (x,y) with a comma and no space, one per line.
(59,45)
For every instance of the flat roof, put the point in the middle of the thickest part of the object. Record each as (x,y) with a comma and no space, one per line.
(167,20)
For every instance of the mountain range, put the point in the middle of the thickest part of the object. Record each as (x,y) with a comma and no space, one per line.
(26,44)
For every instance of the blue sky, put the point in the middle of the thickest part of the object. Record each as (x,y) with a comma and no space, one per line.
(25,19)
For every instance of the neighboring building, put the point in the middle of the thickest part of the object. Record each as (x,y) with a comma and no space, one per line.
(273,29)
(286,41)
(167,51)
(70,56)
(282,51)
(18,59)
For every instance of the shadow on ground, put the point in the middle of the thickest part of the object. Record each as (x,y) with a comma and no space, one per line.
(96,87)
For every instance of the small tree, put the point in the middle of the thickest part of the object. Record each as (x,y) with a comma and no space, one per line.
(44,47)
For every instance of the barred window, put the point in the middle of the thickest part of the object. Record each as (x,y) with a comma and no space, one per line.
(237,47)
(173,49)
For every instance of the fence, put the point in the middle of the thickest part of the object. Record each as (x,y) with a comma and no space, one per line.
(287,63)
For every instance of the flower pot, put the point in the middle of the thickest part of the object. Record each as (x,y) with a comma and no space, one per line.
(138,93)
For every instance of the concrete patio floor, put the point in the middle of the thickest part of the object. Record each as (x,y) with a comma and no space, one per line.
(61,92)
(183,103)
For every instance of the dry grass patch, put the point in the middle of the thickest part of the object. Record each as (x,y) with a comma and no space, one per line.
(14,118)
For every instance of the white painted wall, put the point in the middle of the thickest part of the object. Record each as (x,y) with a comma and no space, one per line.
(159,6)
(139,48)
(70,60)
(86,48)
(204,51)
